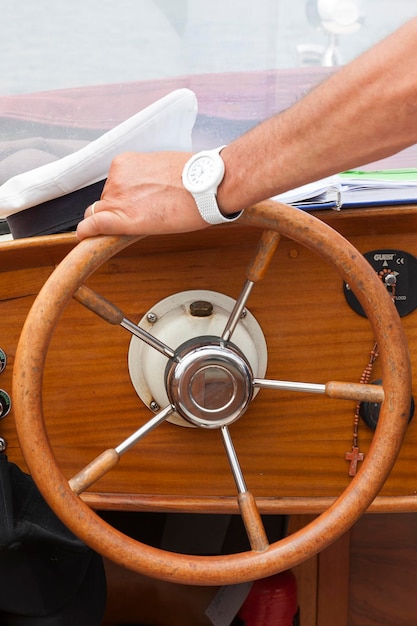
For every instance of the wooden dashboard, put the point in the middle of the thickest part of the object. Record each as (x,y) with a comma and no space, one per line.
(291,446)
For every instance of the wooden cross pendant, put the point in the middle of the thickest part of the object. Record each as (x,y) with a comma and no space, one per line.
(354,457)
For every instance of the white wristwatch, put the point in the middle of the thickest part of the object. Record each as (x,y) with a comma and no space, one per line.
(201,176)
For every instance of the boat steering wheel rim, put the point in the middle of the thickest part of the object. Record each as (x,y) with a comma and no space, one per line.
(284,554)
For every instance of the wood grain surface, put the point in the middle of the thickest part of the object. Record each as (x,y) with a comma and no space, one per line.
(291,446)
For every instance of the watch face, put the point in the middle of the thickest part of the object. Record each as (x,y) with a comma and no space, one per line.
(204,172)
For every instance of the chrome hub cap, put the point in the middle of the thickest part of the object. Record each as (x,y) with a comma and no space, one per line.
(209,382)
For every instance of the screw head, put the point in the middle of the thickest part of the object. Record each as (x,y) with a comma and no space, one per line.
(151,317)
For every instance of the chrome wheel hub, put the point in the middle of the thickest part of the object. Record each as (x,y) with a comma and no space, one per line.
(209,382)
(215,387)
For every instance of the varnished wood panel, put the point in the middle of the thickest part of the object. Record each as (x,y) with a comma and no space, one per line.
(289,445)
(136,599)
(383,565)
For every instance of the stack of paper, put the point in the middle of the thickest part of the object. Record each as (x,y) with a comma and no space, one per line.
(356,188)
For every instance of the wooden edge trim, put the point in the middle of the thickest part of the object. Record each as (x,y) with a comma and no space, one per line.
(229,505)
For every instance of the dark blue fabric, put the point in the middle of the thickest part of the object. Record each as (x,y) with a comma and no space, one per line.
(48,577)
(54,216)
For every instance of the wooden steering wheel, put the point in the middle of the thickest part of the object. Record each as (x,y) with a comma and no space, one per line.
(187,363)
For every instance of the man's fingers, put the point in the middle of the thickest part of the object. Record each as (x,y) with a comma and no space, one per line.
(103,222)
(92,209)
(88,226)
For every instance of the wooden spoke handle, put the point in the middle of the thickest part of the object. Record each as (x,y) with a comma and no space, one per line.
(99,305)
(253,522)
(267,245)
(355,391)
(94,470)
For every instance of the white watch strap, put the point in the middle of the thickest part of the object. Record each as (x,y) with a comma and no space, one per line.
(210,212)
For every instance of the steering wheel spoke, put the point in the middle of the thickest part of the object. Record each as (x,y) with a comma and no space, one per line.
(247,504)
(113,315)
(267,245)
(110,457)
(361,392)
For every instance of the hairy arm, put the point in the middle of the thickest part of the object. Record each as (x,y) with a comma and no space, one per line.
(364,112)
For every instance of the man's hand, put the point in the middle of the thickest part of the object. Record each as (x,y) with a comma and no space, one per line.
(143,195)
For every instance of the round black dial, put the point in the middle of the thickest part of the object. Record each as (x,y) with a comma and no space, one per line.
(398,271)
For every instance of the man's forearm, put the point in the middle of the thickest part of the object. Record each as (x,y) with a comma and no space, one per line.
(364,112)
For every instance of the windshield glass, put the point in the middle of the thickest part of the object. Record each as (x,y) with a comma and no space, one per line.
(73,72)
(53,44)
